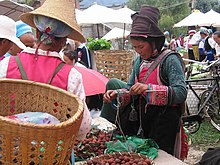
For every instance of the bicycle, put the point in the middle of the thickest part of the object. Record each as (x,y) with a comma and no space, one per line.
(208,101)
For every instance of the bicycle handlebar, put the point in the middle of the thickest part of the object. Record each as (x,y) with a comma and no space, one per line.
(207,63)
(213,63)
(198,62)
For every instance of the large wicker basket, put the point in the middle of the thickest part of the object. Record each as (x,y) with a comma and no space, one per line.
(34,144)
(114,63)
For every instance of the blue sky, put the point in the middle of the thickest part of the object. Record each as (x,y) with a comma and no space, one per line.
(87,3)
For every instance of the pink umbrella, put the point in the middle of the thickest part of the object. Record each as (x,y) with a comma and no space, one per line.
(93,81)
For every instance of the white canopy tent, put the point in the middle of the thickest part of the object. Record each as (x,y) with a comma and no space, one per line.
(13,9)
(122,15)
(193,19)
(211,18)
(78,14)
(95,14)
(100,14)
(116,33)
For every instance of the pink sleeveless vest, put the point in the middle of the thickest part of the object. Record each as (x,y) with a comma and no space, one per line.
(153,78)
(158,97)
(39,70)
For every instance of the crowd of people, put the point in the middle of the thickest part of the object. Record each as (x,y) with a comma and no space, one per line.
(150,102)
(201,45)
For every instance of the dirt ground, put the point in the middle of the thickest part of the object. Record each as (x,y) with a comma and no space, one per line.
(194,155)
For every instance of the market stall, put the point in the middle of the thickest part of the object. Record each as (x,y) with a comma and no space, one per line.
(104,146)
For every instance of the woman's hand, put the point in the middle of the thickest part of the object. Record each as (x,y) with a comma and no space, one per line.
(109,96)
(138,88)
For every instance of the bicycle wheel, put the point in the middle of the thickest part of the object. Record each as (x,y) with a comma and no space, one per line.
(192,123)
(212,108)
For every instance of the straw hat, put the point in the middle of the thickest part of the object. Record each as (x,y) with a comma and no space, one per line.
(60,10)
(8,31)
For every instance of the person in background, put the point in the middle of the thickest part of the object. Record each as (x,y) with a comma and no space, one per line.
(8,35)
(167,39)
(43,63)
(203,34)
(216,38)
(210,32)
(180,42)
(70,57)
(84,55)
(26,36)
(156,87)
(194,41)
(189,46)
(173,44)
(206,46)
(36,4)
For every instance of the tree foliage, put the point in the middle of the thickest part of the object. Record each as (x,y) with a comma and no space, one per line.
(174,11)
(204,5)
(171,12)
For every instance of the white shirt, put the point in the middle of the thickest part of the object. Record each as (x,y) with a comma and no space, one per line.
(217,49)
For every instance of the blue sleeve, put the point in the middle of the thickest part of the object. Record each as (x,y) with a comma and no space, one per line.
(173,70)
(201,51)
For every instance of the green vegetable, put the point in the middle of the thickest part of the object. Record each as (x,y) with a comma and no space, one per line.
(98,44)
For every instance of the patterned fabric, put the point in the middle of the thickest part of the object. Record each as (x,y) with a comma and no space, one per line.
(68,78)
(159,96)
(35,117)
(124,97)
(51,28)
(172,70)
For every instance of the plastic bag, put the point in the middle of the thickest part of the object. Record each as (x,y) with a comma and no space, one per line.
(134,144)
(35,117)
(103,124)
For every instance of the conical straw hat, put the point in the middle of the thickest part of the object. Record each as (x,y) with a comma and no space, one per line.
(62,10)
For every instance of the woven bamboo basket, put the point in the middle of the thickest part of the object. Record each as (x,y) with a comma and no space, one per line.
(34,144)
(114,63)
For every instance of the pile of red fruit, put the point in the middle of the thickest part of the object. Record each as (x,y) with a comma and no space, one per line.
(120,158)
(93,145)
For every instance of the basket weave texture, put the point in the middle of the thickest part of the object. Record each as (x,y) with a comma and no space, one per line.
(114,63)
(34,144)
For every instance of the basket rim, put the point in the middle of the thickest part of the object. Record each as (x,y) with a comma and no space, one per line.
(43,126)
(115,51)
(123,153)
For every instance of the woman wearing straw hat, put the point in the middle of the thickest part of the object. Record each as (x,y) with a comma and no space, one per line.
(150,101)
(54,21)
(8,35)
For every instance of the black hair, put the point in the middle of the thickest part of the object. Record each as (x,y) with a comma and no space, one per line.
(217,33)
(144,39)
(174,36)
(71,54)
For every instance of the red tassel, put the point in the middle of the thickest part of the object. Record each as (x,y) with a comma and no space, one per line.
(184,144)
